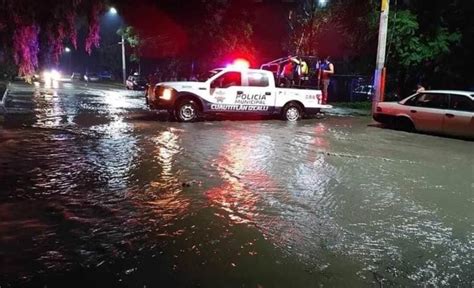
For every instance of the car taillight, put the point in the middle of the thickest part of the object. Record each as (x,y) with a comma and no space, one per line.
(379,109)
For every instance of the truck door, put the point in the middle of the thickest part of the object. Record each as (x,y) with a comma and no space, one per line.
(257,93)
(224,90)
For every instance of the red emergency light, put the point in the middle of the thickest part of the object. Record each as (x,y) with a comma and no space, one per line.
(240,63)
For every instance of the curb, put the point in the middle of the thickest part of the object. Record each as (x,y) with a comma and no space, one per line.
(342,111)
(3,111)
(3,100)
(2,107)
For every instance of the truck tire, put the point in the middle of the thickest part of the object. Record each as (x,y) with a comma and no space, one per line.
(187,111)
(292,112)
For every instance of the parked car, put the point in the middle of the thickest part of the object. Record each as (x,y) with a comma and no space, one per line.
(91,77)
(437,111)
(234,90)
(135,82)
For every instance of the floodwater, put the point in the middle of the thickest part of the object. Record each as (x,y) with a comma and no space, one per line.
(96,191)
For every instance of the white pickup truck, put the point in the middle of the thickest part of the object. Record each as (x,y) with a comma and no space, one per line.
(233,90)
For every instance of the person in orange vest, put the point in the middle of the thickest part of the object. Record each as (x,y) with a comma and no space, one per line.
(326,70)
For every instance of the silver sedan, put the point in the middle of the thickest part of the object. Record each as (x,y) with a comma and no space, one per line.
(436,111)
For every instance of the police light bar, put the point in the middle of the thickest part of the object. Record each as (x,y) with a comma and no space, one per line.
(239,64)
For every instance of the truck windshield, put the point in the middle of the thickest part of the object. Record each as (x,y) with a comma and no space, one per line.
(205,76)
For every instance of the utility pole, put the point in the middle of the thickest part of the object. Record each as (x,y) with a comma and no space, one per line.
(114,11)
(124,65)
(379,76)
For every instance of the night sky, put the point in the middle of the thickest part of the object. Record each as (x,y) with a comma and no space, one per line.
(175,22)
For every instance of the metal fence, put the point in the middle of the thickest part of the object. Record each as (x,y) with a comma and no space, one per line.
(350,88)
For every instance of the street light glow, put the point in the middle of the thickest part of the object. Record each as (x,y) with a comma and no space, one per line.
(323,3)
(67,49)
(112,10)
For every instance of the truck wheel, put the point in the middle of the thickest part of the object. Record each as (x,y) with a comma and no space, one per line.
(292,112)
(187,111)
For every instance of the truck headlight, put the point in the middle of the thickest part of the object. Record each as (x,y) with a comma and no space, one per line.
(167,94)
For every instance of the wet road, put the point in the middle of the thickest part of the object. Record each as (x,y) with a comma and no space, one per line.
(97,191)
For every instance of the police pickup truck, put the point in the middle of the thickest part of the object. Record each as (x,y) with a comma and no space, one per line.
(232,90)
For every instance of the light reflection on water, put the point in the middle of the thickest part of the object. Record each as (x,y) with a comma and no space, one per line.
(165,190)
(167,146)
(340,199)
(235,195)
(342,202)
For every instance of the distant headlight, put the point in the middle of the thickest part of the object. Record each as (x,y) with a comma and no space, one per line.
(167,94)
(51,75)
(55,75)
(47,75)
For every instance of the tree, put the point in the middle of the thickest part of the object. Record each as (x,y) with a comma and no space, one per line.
(421,37)
(410,47)
(225,33)
(29,25)
(132,38)
(414,51)
(338,29)
(233,37)
(7,64)
(451,69)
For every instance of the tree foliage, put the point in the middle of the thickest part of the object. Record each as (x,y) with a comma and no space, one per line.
(422,45)
(341,28)
(132,38)
(28,24)
(227,32)
(410,47)
(424,38)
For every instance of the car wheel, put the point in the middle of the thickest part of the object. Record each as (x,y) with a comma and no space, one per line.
(187,111)
(292,112)
(404,124)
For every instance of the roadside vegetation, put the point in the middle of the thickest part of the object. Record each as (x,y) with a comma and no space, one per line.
(426,43)
(365,105)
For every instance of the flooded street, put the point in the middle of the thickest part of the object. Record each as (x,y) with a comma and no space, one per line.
(96,191)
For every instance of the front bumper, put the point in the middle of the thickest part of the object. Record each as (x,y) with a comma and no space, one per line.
(159,104)
(155,102)
(139,87)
